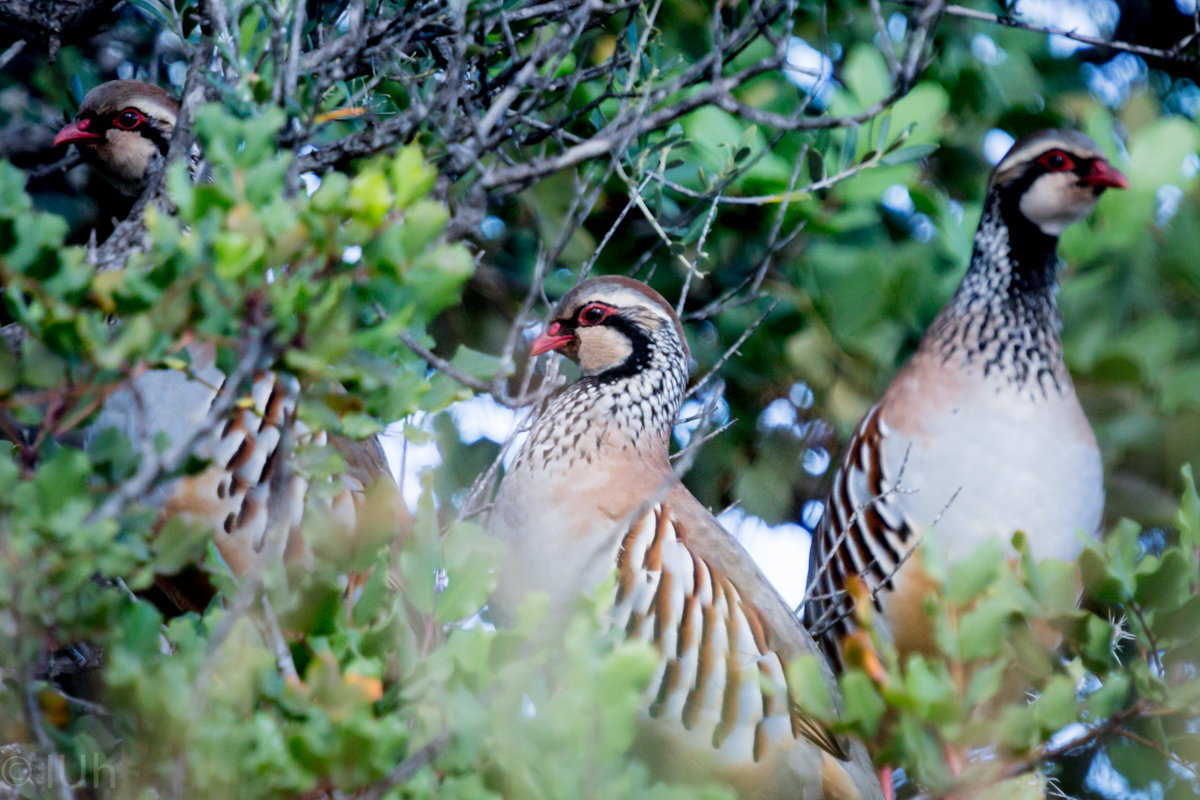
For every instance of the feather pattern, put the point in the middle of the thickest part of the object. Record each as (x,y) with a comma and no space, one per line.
(249,496)
(719,675)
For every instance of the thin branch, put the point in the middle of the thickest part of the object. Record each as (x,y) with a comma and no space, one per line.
(1096,733)
(442,365)
(1174,54)
(153,466)
(33,718)
(405,770)
(733,348)
(65,163)
(11,52)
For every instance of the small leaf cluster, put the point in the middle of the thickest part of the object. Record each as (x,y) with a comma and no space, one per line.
(1022,674)
(370,671)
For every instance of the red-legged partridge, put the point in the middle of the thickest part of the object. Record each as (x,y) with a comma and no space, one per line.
(980,434)
(249,496)
(119,128)
(591,492)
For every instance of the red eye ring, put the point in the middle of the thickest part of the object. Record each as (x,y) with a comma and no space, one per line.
(1057,161)
(129,119)
(594,314)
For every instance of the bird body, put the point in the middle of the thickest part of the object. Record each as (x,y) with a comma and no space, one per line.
(591,493)
(1054,489)
(980,434)
(249,497)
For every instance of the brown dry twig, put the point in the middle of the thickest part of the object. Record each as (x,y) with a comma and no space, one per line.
(1175,54)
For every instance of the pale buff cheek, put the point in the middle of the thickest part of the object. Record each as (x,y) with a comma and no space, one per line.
(128,154)
(1055,201)
(601,348)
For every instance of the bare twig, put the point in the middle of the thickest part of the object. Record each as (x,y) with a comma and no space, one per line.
(733,348)
(33,718)
(1094,734)
(405,770)
(11,52)
(443,365)
(1175,54)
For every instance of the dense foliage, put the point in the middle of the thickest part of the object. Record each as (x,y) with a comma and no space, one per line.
(395,190)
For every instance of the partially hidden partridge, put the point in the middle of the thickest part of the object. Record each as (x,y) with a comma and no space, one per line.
(980,434)
(591,492)
(119,128)
(249,496)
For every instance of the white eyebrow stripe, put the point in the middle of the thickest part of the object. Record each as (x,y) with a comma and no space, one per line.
(1036,148)
(155,110)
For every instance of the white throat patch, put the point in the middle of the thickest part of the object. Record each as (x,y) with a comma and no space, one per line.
(1056,200)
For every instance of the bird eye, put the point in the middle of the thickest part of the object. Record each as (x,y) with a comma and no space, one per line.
(129,119)
(594,314)
(1057,161)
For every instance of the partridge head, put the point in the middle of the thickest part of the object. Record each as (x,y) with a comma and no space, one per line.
(119,128)
(1051,179)
(591,494)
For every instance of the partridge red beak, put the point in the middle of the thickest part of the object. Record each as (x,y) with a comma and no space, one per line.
(550,339)
(1105,175)
(75,132)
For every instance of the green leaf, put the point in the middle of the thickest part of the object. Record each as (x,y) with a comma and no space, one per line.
(862,704)
(1157,152)
(971,576)
(1097,642)
(411,178)
(982,630)
(866,75)
(924,109)
(373,596)
(908,155)
(1058,586)
(849,147)
(986,680)
(811,687)
(1141,766)
(930,686)
(1111,697)
(177,543)
(141,631)
(816,165)
(471,560)
(1167,580)
(1056,707)
(370,198)
(1179,624)
(1188,518)
(421,562)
